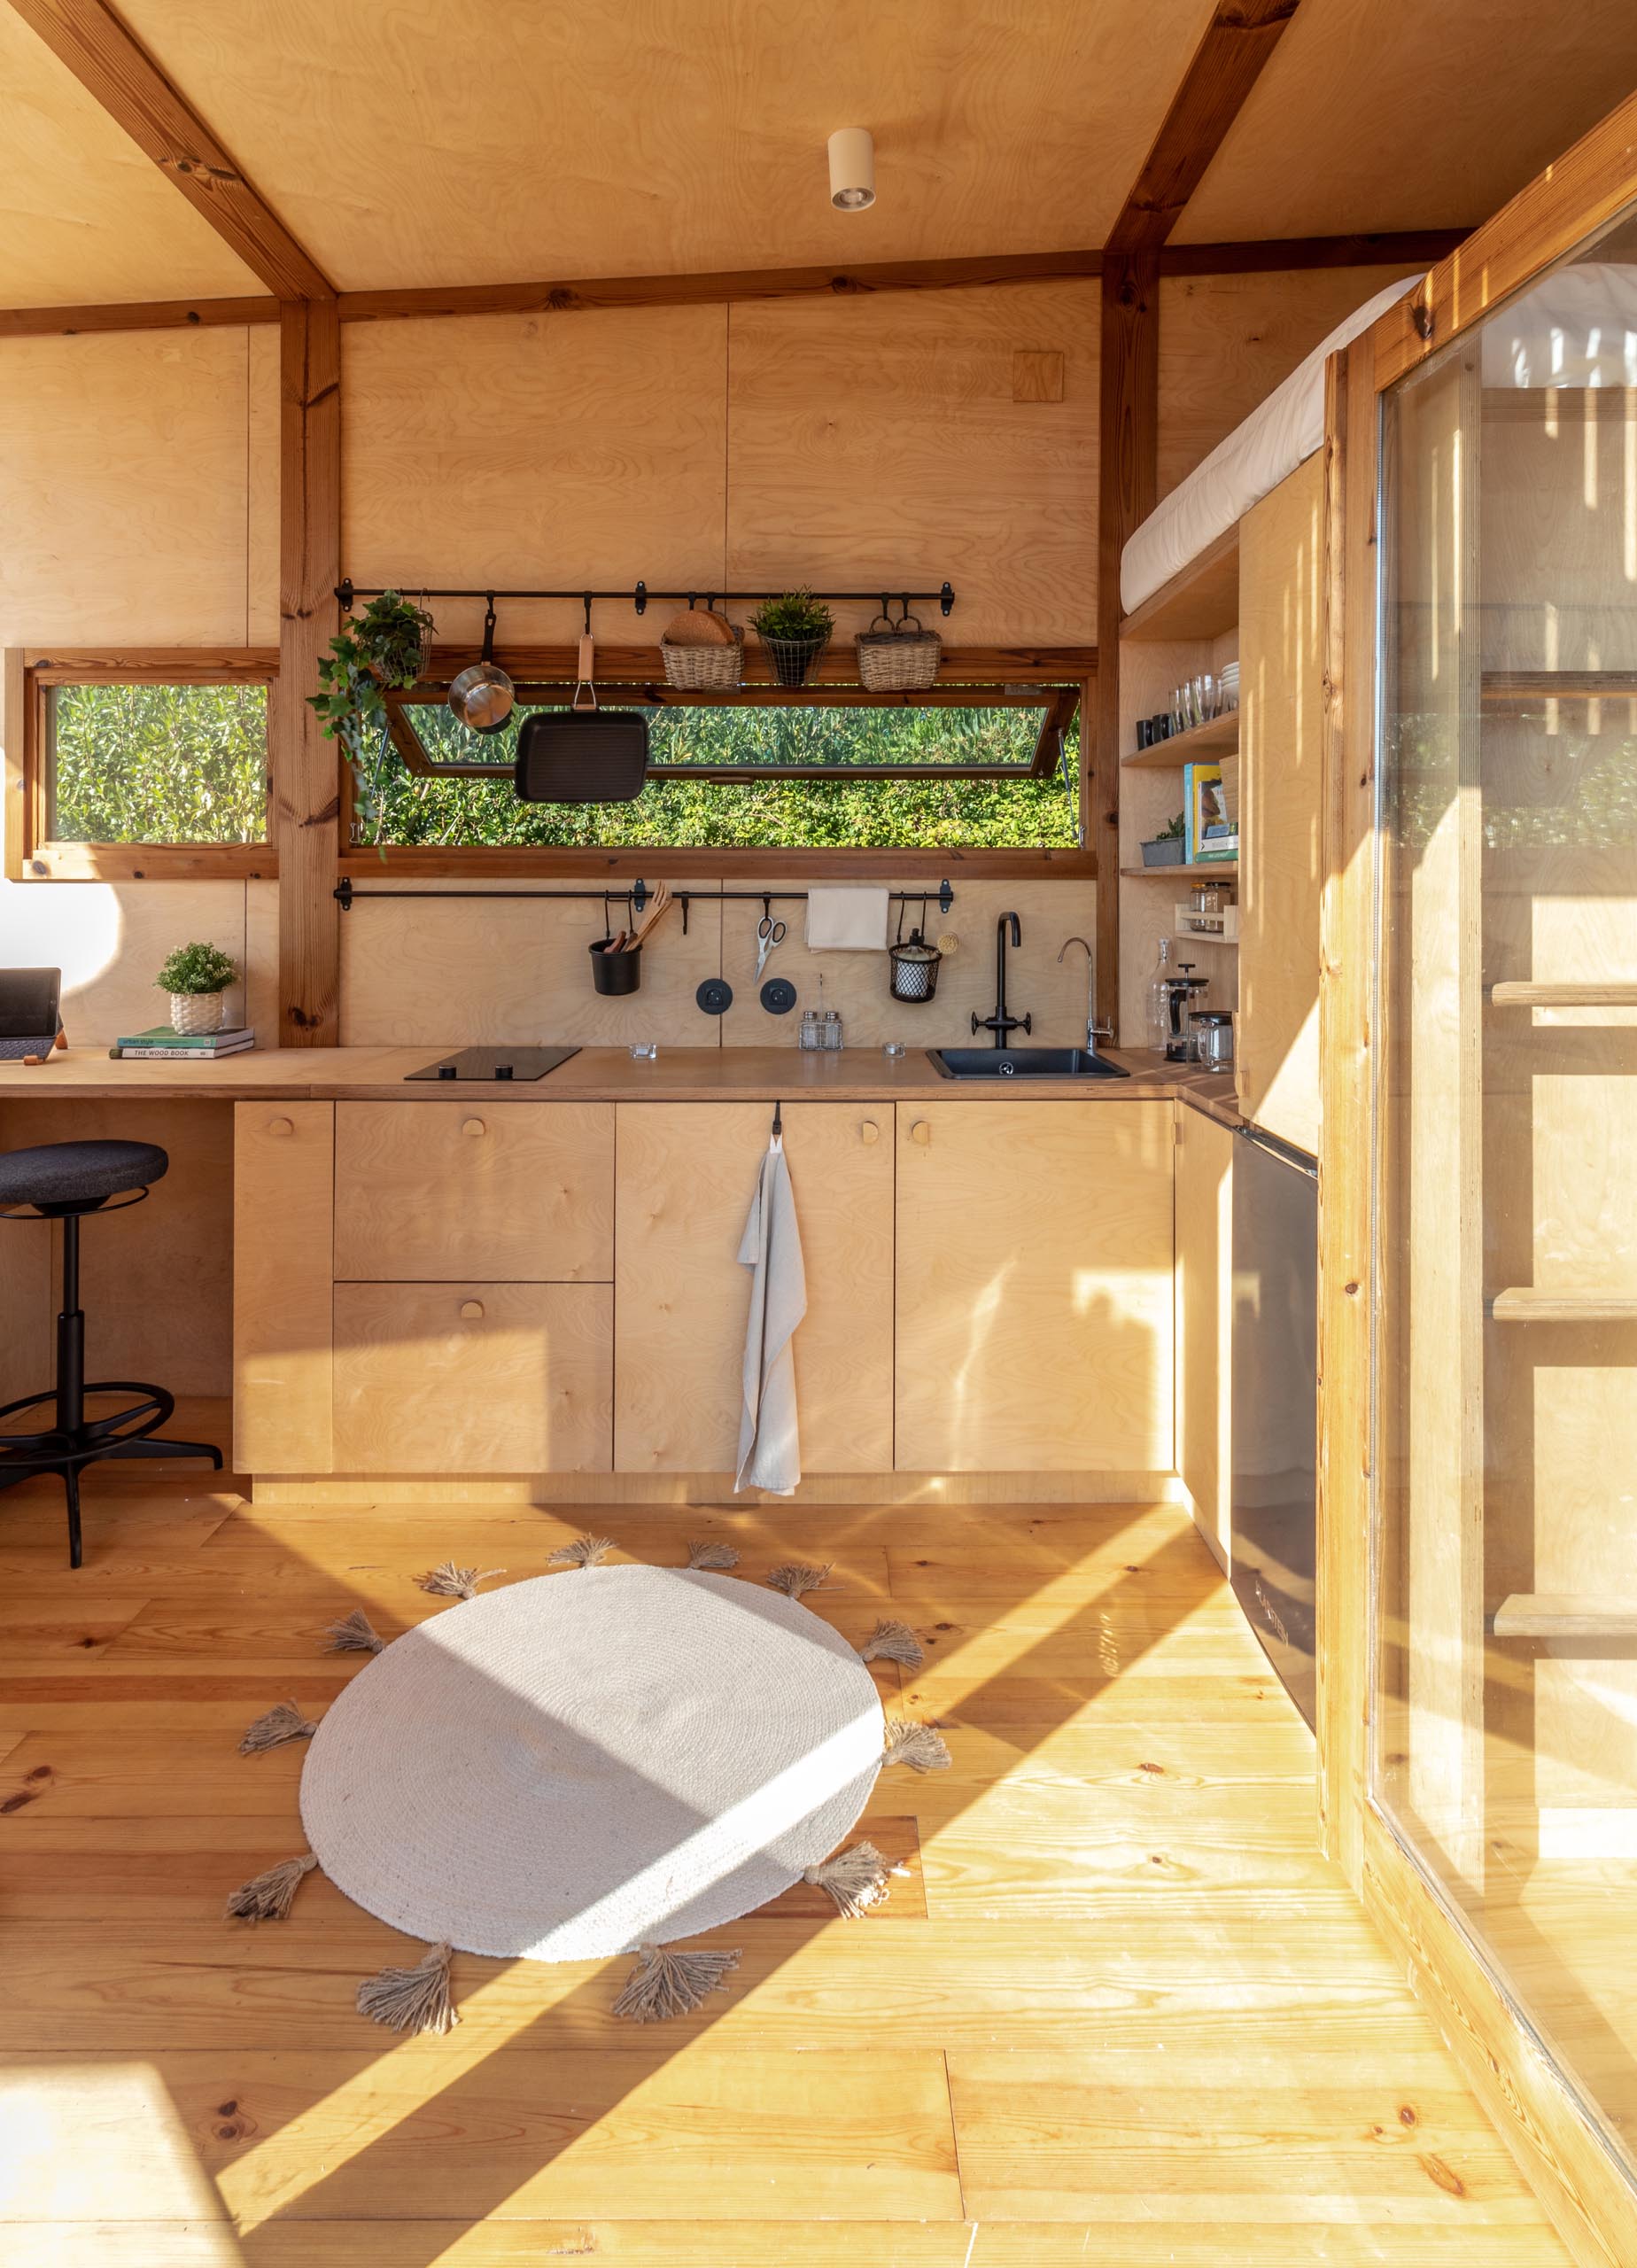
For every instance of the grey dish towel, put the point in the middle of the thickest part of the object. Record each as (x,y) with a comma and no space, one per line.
(770,1448)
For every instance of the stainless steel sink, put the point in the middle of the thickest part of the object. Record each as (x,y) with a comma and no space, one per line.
(1022,1063)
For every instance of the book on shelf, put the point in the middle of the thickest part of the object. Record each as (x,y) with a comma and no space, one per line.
(1208,829)
(163,1045)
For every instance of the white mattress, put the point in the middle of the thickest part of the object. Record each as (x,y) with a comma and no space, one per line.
(1577,327)
(1255,457)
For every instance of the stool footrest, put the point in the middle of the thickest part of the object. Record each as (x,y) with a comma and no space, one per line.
(132,1432)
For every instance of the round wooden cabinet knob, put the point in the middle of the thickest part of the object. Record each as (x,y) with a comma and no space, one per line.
(281,1126)
(473,1126)
(471,1310)
(921,1132)
(869,1131)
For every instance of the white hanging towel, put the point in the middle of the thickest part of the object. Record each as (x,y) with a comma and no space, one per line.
(847,921)
(770,1448)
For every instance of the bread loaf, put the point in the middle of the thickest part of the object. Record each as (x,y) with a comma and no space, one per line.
(699,627)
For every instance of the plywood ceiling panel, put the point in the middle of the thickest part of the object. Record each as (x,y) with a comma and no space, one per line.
(427,142)
(84,216)
(1394,114)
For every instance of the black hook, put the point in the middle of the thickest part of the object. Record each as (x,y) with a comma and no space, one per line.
(607,926)
(767,906)
(946,895)
(684,896)
(588,597)
(946,600)
(640,894)
(778,1120)
(641,598)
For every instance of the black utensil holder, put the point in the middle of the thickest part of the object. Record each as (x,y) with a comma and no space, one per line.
(614,973)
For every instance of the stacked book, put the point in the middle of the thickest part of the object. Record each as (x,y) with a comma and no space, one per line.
(162,1045)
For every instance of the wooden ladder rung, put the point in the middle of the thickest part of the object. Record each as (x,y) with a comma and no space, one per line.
(1564,1614)
(1522,1303)
(1512,995)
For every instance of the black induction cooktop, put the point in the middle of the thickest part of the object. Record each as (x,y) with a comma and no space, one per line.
(517,1063)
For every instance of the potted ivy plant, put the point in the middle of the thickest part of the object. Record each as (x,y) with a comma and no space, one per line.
(796,628)
(196,976)
(383,648)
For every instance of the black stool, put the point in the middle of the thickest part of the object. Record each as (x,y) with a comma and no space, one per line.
(61,1181)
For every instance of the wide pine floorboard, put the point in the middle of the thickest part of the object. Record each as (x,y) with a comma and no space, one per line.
(1119,2010)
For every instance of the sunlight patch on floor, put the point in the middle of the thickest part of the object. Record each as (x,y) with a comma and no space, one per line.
(94,2142)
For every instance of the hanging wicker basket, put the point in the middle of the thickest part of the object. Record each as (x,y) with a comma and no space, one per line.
(900,658)
(696,668)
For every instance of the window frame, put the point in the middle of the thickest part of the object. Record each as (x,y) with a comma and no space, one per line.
(31,853)
(968,678)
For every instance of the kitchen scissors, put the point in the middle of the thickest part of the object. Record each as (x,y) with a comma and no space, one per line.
(772,934)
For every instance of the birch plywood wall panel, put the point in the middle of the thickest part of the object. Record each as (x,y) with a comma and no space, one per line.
(1227,341)
(123,489)
(916,437)
(521,450)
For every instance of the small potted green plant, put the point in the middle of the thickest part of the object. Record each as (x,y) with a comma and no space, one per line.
(385,647)
(796,628)
(1166,848)
(196,976)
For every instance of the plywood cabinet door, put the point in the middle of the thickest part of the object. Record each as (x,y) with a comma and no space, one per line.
(1281,718)
(684,1177)
(1034,1287)
(1204,1320)
(473,1378)
(283,1198)
(437,1191)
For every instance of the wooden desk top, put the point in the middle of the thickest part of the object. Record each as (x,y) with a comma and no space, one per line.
(595,1075)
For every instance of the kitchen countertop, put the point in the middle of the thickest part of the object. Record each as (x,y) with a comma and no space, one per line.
(595,1075)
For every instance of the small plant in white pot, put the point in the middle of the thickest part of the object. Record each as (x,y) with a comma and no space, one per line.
(197,977)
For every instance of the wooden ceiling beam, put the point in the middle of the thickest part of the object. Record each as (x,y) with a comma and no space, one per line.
(118,72)
(1238,41)
(1406,248)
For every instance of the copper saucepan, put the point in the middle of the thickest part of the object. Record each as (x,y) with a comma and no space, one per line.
(482,695)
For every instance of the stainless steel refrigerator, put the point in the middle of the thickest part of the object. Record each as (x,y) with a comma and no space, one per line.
(1275,1361)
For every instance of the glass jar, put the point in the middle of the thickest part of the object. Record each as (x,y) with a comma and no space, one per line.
(810,1031)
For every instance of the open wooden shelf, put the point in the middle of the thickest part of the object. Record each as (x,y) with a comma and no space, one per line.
(1201,601)
(1561,1614)
(1510,995)
(1221,734)
(1169,874)
(1522,1303)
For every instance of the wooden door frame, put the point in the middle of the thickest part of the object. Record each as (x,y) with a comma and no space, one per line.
(1570,2163)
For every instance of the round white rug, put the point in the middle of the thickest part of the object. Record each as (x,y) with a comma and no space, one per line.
(591,1761)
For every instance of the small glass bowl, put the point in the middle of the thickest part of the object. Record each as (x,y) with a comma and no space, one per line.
(893,1049)
(645,1051)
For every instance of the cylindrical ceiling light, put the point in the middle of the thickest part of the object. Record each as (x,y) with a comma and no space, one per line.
(852,169)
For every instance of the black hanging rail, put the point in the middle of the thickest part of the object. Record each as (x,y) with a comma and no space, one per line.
(637,894)
(943,598)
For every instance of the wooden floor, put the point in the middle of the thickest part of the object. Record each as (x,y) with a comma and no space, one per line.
(1120,2012)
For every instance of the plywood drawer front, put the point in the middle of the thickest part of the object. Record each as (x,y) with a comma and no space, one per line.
(513,1192)
(474,1377)
(284,1179)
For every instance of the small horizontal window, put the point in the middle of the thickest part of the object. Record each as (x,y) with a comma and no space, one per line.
(156,763)
(968,768)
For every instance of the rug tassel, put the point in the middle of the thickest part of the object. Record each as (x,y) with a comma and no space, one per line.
(855,1879)
(355,1634)
(712,1558)
(792,1582)
(285,1723)
(450,1581)
(411,2000)
(268,1897)
(666,1983)
(892,1642)
(584,1551)
(919,1746)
